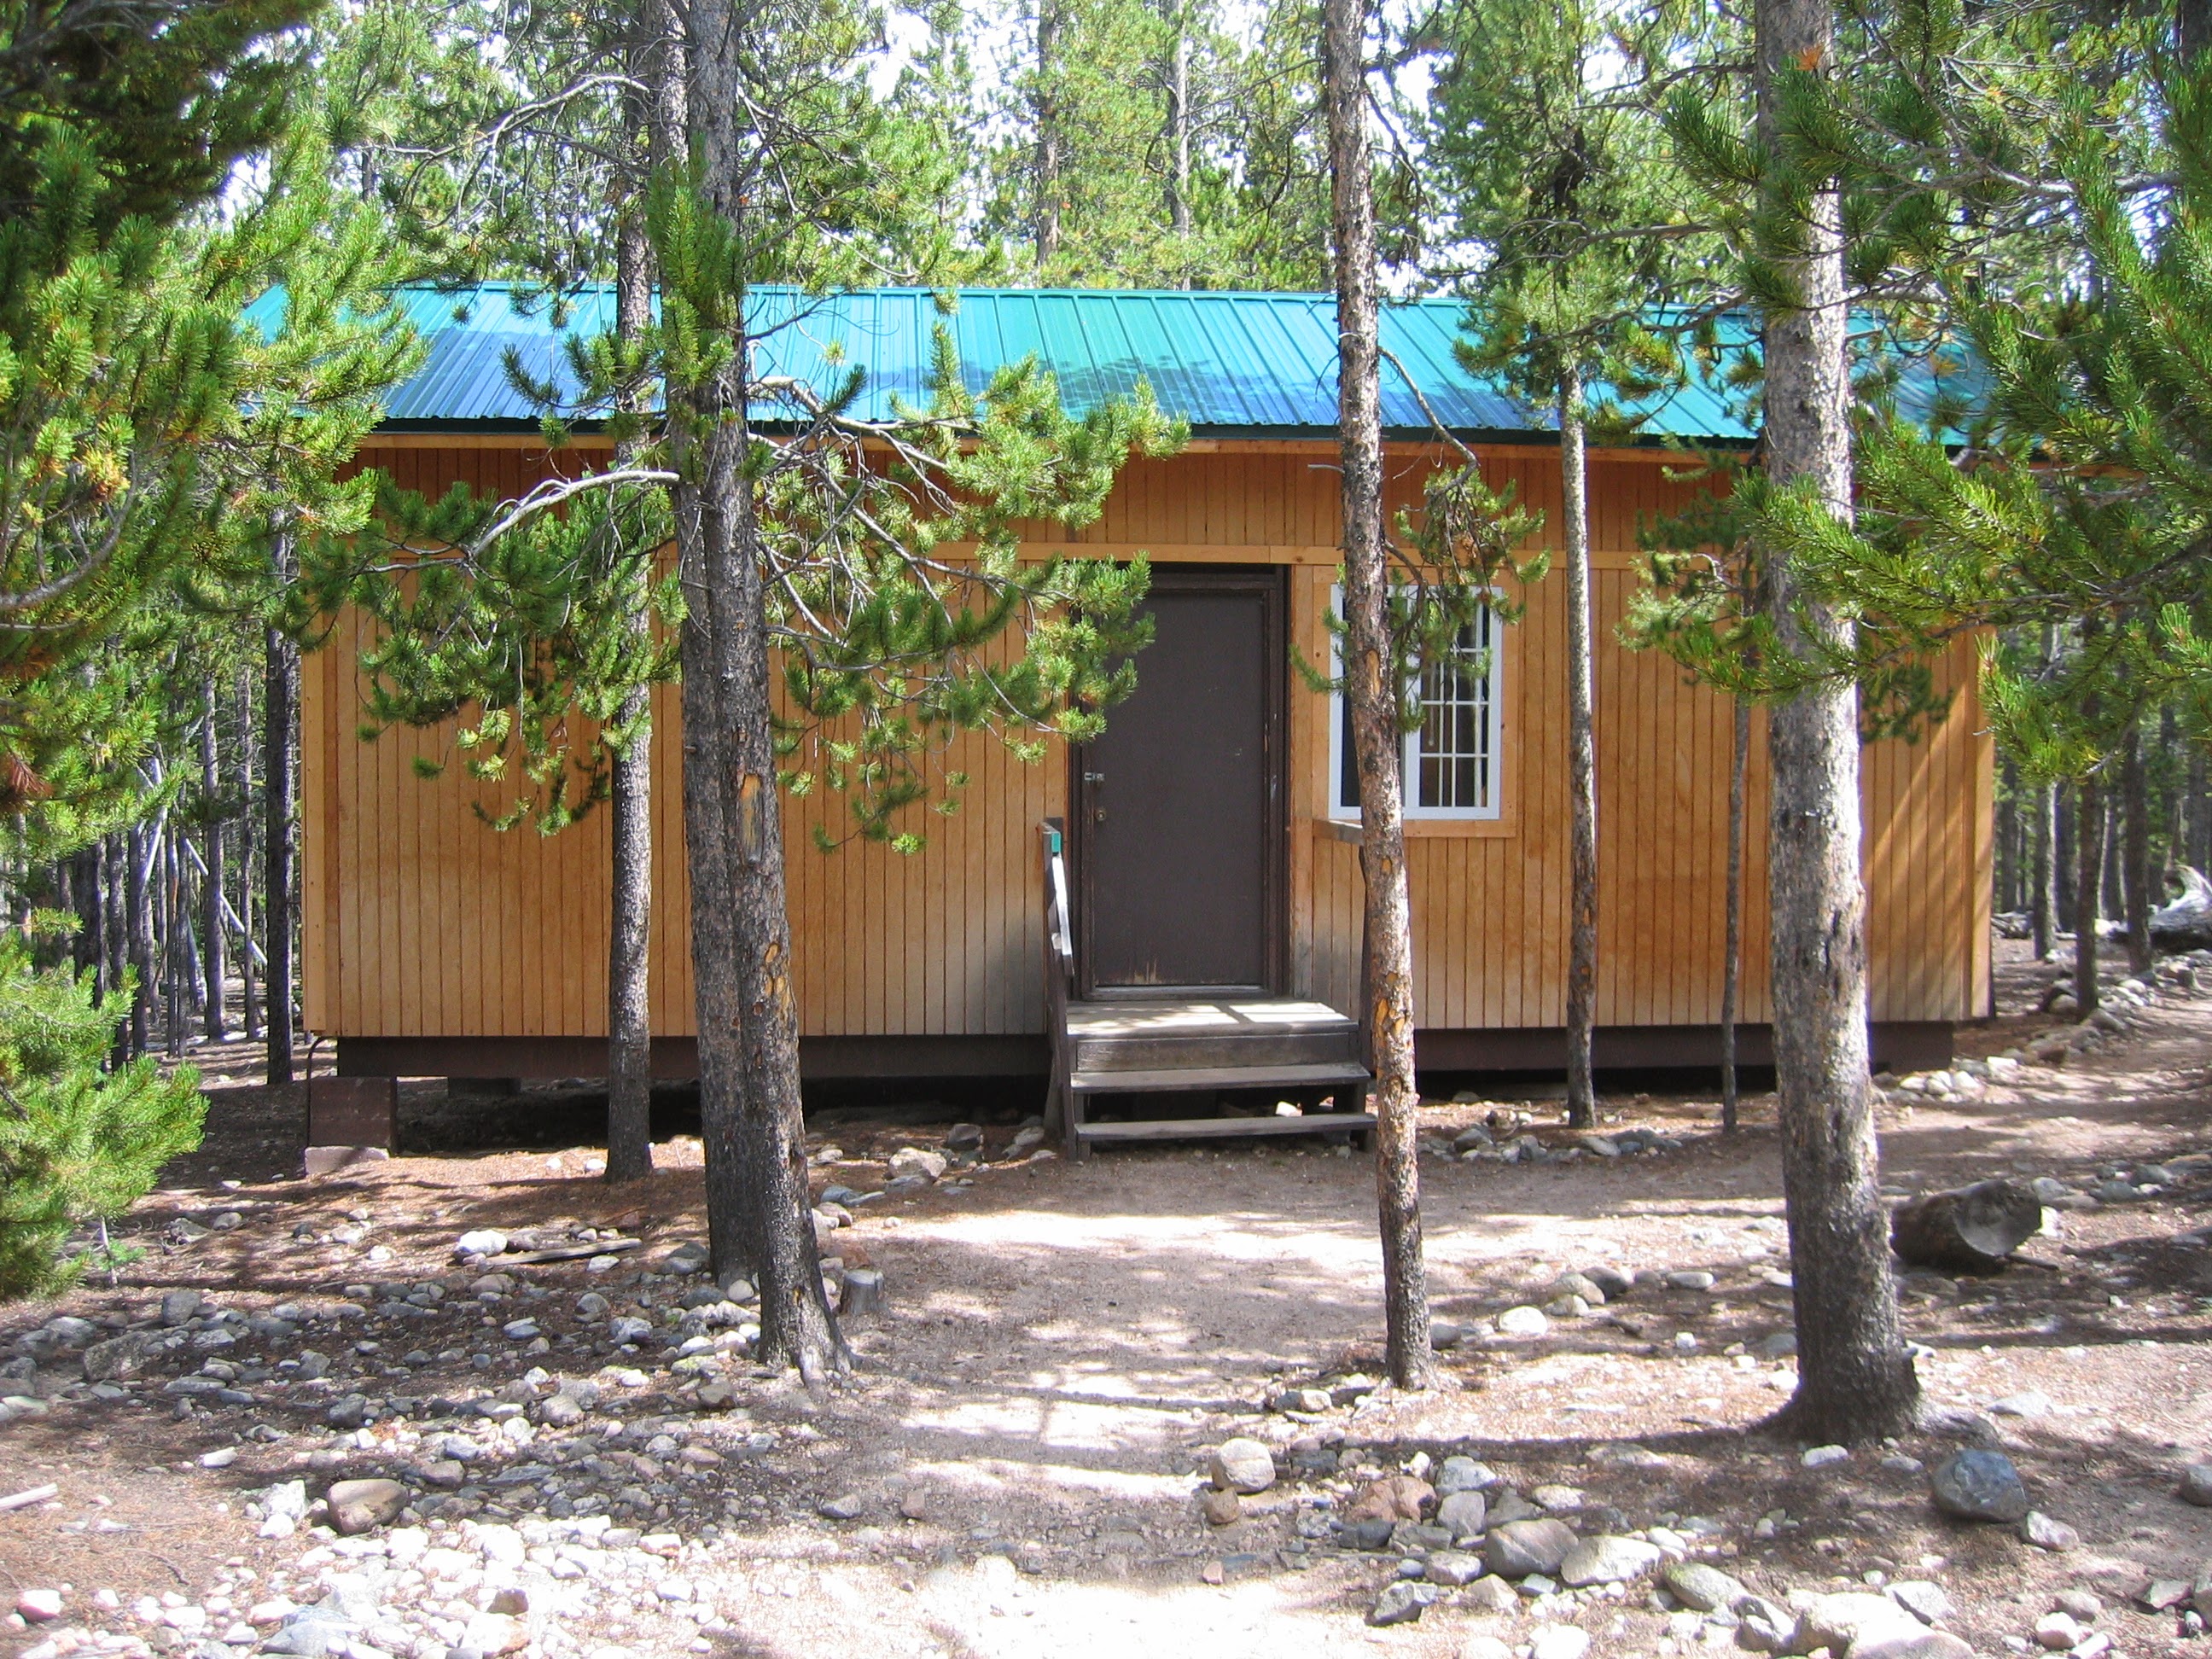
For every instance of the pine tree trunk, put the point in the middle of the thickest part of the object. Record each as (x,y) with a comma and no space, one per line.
(2008,836)
(1045,226)
(2112,897)
(1373,704)
(2200,820)
(759,1215)
(2135,849)
(2169,748)
(1178,122)
(115,878)
(1732,962)
(2088,873)
(1855,1382)
(212,964)
(2193,29)
(141,852)
(249,997)
(280,714)
(2044,866)
(1581,762)
(629,933)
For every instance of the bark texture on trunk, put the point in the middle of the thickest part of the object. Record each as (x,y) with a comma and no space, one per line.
(1373,702)
(1732,962)
(1045,220)
(1178,121)
(2043,866)
(2135,849)
(759,1215)
(1581,762)
(212,965)
(2088,877)
(1855,1381)
(629,888)
(249,994)
(144,849)
(280,713)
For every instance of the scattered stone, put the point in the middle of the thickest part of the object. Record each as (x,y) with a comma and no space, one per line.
(1560,1642)
(1466,1513)
(358,1506)
(1310,1401)
(1492,1594)
(1523,1322)
(1394,1497)
(1822,1457)
(2030,1404)
(1764,1626)
(348,1412)
(2160,1593)
(484,1241)
(2040,1529)
(1558,1500)
(1401,1603)
(1243,1465)
(1691,1278)
(1607,1560)
(1838,1621)
(1458,1474)
(1705,1588)
(1977,1485)
(1520,1547)
(846,1506)
(180,1306)
(40,1606)
(1220,1508)
(1909,1640)
(1454,1568)
(1581,1285)
(2195,1480)
(1924,1600)
(914,1164)
(126,1356)
(493,1633)
(964,1137)
(2080,1604)
(2058,1632)
(1482,1645)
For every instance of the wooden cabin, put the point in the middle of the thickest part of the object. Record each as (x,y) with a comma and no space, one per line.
(1211,851)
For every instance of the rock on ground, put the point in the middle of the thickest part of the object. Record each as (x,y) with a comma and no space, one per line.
(1976,1485)
(1520,1547)
(1243,1465)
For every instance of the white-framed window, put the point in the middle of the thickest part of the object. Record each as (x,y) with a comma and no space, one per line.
(1452,762)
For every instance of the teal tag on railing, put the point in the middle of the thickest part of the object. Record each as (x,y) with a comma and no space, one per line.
(1052,841)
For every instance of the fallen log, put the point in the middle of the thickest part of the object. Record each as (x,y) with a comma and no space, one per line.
(1967,1229)
(2185,924)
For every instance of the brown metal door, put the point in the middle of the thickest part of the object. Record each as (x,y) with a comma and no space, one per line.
(1179,805)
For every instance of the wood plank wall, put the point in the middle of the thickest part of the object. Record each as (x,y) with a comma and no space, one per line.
(422,921)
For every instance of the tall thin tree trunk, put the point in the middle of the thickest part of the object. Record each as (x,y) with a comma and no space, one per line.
(115,876)
(1178,121)
(1732,962)
(2088,875)
(629,933)
(1855,1381)
(141,849)
(758,1209)
(211,956)
(2008,836)
(2042,914)
(1582,760)
(1373,702)
(280,716)
(1046,112)
(2134,848)
(249,999)
(2174,806)
(2200,818)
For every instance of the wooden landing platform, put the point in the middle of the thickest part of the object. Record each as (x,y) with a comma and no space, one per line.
(1298,1051)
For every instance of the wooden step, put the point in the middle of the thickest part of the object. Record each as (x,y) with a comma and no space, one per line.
(1323,1075)
(1233,1049)
(1207,1129)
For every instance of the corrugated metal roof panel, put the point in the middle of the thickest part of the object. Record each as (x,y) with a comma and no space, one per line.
(1228,362)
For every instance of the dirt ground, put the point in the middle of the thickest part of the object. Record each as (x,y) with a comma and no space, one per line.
(1013,1466)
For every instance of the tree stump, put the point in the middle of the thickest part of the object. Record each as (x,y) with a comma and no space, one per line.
(1966,1230)
(2185,924)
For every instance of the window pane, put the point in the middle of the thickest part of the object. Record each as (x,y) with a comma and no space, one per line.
(1454,736)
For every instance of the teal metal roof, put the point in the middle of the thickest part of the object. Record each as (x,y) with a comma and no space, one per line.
(1233,365)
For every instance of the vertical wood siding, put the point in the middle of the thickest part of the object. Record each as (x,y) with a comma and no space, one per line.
(422,921)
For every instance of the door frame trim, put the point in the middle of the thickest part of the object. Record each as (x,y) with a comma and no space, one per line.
(1270,584)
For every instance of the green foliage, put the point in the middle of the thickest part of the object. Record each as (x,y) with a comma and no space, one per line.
(76,1145)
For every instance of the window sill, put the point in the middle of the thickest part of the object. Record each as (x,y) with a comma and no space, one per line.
(1348,831)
